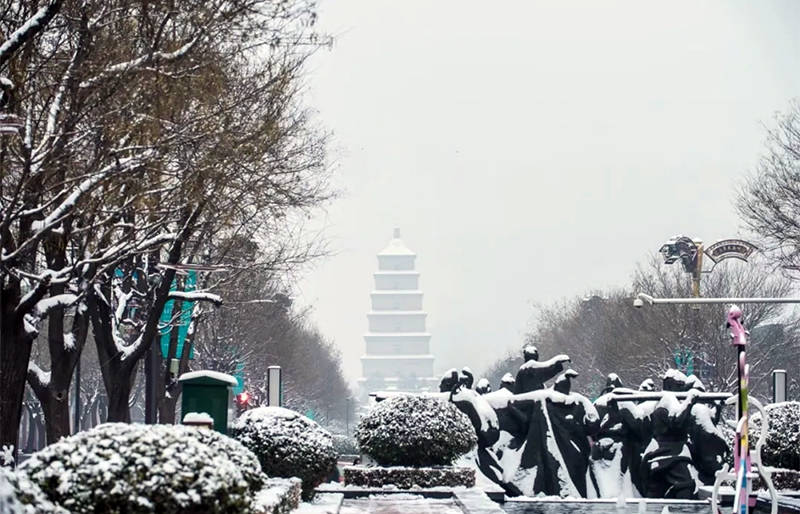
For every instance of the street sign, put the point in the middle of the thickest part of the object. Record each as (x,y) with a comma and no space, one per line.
(730,249)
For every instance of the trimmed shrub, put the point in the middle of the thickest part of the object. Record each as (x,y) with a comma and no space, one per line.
(408,478)
(279,496)
(415,431)
(782,480)
(782,447)
(120,467)
(18,495)
(287,444)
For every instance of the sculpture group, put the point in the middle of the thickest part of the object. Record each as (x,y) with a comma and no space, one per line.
(537,439)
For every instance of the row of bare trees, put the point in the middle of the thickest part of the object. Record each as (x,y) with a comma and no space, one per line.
(154,135)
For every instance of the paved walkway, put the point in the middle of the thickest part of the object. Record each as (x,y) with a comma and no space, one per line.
(399,504)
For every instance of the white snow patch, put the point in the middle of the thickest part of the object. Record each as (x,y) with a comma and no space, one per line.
(7,455)
(42,376)
(545,364)
(198,417)
(216,375)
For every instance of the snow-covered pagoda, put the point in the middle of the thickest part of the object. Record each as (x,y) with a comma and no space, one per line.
(398,354)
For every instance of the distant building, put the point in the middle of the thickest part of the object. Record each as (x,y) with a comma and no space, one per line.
(398,356)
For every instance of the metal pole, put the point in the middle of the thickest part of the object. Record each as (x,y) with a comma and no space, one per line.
(698,271)
(150,370)
(77,427)
(646,299)
(657,395)
(347,417)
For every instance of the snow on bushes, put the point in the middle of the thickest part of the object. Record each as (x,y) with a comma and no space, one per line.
(287,444)
(409,478)
(415,431)
(9,503)
(18,495)
(119,467)
(782,447)
(279,496)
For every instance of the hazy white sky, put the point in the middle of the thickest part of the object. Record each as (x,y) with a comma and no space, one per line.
(533,150)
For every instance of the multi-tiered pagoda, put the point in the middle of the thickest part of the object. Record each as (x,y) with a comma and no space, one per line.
(398,354)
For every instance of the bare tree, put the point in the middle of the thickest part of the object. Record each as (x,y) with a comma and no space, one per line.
(769,203)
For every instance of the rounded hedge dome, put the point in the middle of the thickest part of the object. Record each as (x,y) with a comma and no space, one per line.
(120,467)
(287,444)
(415,431)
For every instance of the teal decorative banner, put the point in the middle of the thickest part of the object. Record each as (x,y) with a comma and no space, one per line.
(183,321)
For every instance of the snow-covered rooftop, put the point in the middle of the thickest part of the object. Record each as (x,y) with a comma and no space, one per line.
(396,246)
(216,375)
(392,357)
(392,292)
(396,334)
(198,417)
(397,313)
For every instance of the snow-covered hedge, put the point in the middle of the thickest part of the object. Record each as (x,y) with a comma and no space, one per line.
(279,496)
(408,478)
(782,480)
(415,431)
(119,467)
(287,444)
(782,448)
(18,495)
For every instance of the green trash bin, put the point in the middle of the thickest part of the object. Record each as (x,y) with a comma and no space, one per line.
(210,392)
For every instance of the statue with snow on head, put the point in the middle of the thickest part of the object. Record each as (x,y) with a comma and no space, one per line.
(623,434)
(533,374)
(667,469)
(449,380)
(707,444)
(466,377)
(574,420)
(483,386)
(508,382)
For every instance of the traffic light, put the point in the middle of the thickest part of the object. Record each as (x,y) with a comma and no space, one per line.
(243,400)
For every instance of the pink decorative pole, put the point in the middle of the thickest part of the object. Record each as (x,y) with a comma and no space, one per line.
(741,453)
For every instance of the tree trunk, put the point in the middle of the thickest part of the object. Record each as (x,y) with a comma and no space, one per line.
(30,445)
(166,408)
(167,388)
(56,415)
(119,393)
(15,350)
(40,442)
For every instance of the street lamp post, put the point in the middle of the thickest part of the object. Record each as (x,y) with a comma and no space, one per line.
(690,252)
(347,416)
